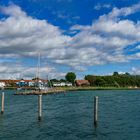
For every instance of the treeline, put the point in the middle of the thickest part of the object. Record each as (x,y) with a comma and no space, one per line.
(115,80)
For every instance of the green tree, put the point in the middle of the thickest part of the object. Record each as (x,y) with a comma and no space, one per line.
(91,79)
(54,80)
(70,76)
(100,81)
(117,80)
(127,74)
(62,80)
(115,73)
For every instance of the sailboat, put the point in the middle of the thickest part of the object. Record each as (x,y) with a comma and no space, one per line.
(39,84)
(40,87)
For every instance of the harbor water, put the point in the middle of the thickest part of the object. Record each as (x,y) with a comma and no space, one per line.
(70,116)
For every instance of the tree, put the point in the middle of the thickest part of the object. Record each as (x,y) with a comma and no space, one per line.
(115,73)
(70,76)
(62,80)
(54,80)
(127,74)
(91,79)
(100,81)
(36,78)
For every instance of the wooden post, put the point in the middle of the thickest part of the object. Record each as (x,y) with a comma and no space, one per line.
(95,110)
(39,107)
(2,103)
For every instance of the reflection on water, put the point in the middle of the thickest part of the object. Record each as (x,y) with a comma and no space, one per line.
(70,116)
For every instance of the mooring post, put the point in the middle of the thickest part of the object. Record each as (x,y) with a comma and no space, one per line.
(95,111)
(39,107)
(2,103)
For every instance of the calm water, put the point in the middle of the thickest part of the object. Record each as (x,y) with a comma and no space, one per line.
(70,116)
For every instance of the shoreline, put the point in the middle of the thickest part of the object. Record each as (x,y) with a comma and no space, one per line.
(59,90)
(99,88)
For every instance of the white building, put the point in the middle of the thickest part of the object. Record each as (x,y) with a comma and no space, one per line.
(61,84)
(68,84)
(56,84)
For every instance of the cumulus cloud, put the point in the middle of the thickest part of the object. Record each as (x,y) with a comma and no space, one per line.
(13,10)
(104,41)
(135,71)
(124,11)
(23,35)
(109,36)
(16,70)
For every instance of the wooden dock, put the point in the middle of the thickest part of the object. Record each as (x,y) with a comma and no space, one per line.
(37,92)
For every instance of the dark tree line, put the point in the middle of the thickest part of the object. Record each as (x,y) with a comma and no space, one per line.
(115,80)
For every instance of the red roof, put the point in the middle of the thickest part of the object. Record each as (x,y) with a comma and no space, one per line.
(15,81)
(9,81)
(82,82)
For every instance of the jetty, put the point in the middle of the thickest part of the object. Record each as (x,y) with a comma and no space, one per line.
(37,92)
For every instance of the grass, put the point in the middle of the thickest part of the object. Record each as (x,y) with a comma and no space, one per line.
(95,88)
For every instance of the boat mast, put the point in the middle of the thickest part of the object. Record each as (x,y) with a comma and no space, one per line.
(38,71)
(38,66)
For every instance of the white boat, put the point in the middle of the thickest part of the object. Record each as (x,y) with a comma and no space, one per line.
(40,85)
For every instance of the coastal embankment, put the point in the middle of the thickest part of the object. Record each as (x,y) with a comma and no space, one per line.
(66,89)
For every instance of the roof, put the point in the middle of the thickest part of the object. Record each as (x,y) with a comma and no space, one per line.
(9,81)
(82,82)
(15,81)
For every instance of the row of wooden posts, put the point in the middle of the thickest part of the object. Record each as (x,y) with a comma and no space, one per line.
(40,108)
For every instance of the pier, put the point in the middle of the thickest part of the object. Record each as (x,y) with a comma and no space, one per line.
(37,92)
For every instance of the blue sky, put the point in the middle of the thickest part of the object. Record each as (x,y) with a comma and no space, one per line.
(86,37)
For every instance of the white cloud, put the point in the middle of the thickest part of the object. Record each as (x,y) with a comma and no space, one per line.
(122,28)
(15,70)
(124,11)
(138,47)
(109,37)
(101,42)
(13,10)
(135,71)
(22,34)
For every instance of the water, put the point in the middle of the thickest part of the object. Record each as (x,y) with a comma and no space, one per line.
(70,116)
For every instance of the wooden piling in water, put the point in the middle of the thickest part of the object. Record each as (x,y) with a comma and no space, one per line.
(95,111)
(39,107)
(2,103)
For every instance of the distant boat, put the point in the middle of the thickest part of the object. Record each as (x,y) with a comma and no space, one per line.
(40,85)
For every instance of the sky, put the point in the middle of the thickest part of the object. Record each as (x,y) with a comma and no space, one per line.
(84,37)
